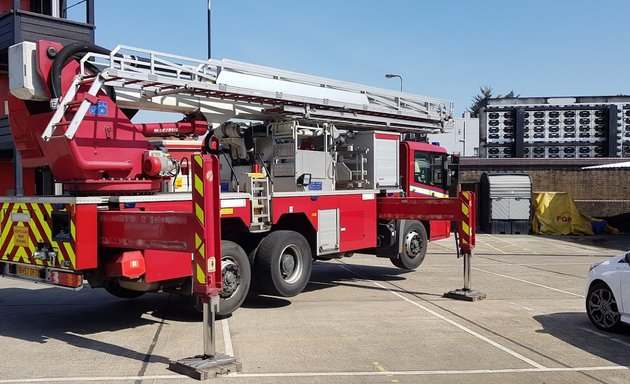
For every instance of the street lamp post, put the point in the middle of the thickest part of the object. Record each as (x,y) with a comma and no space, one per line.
(391,75)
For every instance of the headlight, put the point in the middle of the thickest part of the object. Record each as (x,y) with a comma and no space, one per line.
(593,266)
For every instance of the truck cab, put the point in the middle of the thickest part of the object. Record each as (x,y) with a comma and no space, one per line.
(424,173)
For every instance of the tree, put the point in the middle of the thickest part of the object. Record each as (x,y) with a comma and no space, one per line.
(485,93)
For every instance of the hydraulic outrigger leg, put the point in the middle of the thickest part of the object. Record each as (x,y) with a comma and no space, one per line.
(466,244)
(207,280)
(460,209)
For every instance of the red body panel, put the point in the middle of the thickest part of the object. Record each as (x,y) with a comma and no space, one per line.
(132,229)
(166,265)
(85,217)
(357,216)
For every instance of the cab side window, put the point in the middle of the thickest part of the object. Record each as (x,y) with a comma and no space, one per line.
(422,168)
(429,168)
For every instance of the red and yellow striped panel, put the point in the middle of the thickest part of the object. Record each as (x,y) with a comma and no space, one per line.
(19,239)
(467,227)
(205,198)
(199,265)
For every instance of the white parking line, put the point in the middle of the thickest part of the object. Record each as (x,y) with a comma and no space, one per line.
(511,243)
(528,282)
(492,246)
(456,324)
(436,372)
(227,338)
(236,376)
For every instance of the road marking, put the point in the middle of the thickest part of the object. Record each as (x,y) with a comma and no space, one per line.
(511,243)
(528,282)
(380,368)
(227,338)
(493,247)
(329,374)
(456,324)
(600,334)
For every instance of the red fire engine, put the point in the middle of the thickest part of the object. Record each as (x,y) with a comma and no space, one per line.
(308,169)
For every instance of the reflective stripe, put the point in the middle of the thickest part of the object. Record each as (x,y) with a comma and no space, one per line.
(198,160)
(198,184)
(199,213)
(426,191)
(465,228)
(198,241)
(201,275)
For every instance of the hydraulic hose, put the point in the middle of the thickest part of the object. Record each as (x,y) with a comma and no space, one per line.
(63,56)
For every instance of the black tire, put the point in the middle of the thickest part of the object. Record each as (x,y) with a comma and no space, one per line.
(283,264)
(116,290)
(602,309)
(414,244)
(237,274)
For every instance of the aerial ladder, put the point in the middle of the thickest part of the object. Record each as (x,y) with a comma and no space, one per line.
(81,128)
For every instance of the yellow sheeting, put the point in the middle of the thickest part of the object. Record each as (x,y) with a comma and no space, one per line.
(555,213)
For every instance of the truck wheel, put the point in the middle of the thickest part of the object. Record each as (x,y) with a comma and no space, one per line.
(414,245)
(283,263)
(116,290)
(237,274)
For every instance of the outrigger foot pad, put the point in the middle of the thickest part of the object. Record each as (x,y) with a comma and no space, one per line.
(206,367)
(465,295)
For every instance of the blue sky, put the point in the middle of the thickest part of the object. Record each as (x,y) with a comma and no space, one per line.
(443,49)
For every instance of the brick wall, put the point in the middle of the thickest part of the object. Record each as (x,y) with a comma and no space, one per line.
(597,192)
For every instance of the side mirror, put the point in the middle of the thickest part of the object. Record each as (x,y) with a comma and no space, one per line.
(627,257)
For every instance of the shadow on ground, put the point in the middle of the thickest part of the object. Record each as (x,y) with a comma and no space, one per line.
(575,329)
(334,273)
(57,314)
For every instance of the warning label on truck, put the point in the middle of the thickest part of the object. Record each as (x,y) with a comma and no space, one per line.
(20,236)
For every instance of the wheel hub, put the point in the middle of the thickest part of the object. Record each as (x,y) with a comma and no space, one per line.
(231,277)
(413,244)
(287,264)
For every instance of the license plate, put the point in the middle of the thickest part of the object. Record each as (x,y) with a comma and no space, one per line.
(27,271)
(20,236)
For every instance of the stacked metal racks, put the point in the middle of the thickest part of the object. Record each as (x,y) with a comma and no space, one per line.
(576,127)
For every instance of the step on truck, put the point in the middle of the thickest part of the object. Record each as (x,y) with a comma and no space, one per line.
(307,168)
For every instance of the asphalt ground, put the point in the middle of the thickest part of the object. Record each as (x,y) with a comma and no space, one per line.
(360,320)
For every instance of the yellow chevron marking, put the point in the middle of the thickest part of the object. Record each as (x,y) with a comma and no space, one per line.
(47,230)
(198,160)
(21,255)
(201,276)
(198,185)
(199,214)
(5,234)
(73,229)
(202,250)
(465,209)
(71,255)
(33,227)
(466,228)
(38,237)
(48,208)
(197,241)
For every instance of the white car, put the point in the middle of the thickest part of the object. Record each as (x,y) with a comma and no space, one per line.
(608,297)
